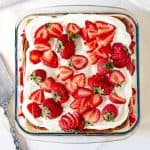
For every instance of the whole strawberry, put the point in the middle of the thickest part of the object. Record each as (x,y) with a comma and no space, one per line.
(51,109)
(60,92)
(120,55)
(101,84)
(67,49)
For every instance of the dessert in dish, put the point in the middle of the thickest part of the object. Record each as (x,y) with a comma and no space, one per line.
(77,73)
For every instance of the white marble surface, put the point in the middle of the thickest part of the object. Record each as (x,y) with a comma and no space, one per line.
(141,139)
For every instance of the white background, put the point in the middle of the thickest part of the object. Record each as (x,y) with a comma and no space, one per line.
(141,139)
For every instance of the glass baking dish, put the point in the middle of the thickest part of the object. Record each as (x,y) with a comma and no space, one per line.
(76,137)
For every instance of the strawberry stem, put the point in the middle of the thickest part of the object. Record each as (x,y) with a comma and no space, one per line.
(36,79)
(98,90)
(45,112)
(58,45)
(72,36)
(56,96)
(48,25)
(109,65)
(108,116)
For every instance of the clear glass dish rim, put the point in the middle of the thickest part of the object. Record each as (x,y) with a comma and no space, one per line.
(37,12)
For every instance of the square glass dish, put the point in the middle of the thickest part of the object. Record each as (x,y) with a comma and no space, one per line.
(110,36)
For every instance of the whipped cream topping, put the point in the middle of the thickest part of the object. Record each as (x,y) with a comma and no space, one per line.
(124,91)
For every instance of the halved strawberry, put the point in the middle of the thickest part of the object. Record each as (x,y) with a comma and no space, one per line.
(73,28)
(109,112)
(34,109)
(51,109)
(50,59)
(92,116)
(95,100)
(37,96)
(38,75)
(70,86)
(90,25)
(104,66)
(131,67)
(41,33)
(79,79)
(116,99)
(104,27)
(47,84)
(79,61)
(91,45)
(92,33)
(35,56)
(117,77)
(82,92)
(68,49)
(65,73)
(54,29)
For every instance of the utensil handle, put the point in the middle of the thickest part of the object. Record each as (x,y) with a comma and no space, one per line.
(16,137)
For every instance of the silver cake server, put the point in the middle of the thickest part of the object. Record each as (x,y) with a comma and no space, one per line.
(6,91)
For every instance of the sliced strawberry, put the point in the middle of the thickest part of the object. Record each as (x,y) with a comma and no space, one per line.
(92,116)
(71,86)
(116,99)
(21,98)
(82,92)
(50,59)
(44,46)
(79,79)
(95,55)
(37,96)
(65,73)
(54,29)
(51,109)
(109,112)
(73,28)
(95,100)
(105,39)
(68,49)
(84,105)
(84,34)
(41,33)
(60,92)
(92,57)
(47,84)
(132,47)
(21,76)
(79,61)
(75,104)
(34,109)
(132,119)
(92,33)
(104,27)
(91,45)
(90,25)
(104,66)
(71,121)
(35,56)
(117,77)
(131,67)
(106,49)
(20,113)
(38,75)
